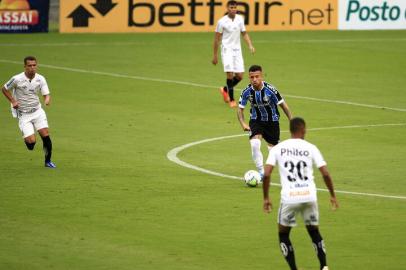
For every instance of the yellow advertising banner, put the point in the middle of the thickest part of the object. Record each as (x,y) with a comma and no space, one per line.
(107,16)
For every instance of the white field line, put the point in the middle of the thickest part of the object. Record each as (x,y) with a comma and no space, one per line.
(347,103)
(129,43)
(68,44)
(117,75)
(172,155)
(333,40)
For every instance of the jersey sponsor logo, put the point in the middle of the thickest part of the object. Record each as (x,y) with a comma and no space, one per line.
(301,185)
(258,105)
(294,152)
(299,193)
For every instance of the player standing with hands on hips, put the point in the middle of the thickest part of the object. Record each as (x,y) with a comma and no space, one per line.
(228,31)
(295,158)
(26,106)
(264,114)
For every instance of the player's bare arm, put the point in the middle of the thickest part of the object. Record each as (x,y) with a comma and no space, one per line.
(329,183)
(265,188)
(248,41)
(10,97)
(216,44)
(286,110)
(47,100)
(240,115)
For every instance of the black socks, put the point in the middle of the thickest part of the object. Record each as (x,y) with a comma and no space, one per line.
(30,146)
(47,148)
(235,81)
(319,247)
(230,89)
(287,250)
(230,86)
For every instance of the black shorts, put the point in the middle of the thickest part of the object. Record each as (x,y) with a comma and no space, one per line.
(269,131)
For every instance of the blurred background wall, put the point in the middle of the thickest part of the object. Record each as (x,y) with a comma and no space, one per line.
(54,15)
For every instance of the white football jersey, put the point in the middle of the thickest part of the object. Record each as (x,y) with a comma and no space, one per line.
(25,91)
(295,158)
(231,30)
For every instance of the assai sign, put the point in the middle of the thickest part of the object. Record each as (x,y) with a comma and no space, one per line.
(24,16)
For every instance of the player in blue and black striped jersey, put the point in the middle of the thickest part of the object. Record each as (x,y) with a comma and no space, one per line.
(264,114)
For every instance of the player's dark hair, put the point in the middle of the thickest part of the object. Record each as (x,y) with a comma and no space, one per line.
(254,68)
(231,3)
(29,58)
(296,124)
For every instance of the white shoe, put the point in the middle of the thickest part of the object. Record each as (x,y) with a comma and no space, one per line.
(325,268)
(262,180)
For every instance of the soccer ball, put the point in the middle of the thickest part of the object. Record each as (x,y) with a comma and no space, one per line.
(252,178)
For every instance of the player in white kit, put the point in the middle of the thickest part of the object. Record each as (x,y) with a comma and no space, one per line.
(22,91)
(295,158)
(228,31)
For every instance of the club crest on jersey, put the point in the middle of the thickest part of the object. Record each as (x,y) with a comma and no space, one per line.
(250,98)
(266,99)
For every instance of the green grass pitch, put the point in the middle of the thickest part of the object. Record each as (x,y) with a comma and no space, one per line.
(121,102)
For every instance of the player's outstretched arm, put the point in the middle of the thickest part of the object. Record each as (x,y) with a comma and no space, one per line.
(329,183)
(47,100)
(265,188)
(248,41)
(286,110)
(216,44)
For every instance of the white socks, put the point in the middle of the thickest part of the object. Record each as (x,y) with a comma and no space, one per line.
(257,155)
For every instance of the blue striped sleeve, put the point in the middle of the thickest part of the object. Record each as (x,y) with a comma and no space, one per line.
(244,98)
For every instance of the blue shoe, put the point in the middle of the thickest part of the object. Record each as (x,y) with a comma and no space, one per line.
(50,164)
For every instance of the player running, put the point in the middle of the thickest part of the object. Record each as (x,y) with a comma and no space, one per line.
(264,115)
(22,92)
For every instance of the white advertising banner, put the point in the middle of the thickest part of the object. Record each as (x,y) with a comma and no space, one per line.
(372,14)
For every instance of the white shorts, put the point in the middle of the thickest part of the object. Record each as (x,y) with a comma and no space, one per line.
(30,122)
(309,212)
(232,60)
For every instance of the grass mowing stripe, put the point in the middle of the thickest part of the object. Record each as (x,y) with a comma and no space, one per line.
(67,44)
(118,75)
(172,156)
